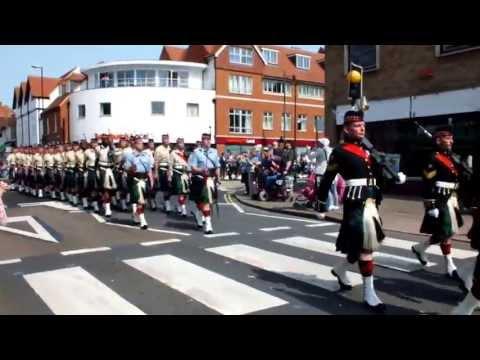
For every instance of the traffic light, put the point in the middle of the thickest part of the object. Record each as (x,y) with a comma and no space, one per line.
(355,82)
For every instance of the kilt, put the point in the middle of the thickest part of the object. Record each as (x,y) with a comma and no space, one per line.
(448,222)
(138,188)
(201,189)
(49,177)
(39,179)
(58,179)
(29,177)
(121,180)
(90,180)
(12,174)
(361,229)
(164,184)
(180,183)
(107,179)
(70,179)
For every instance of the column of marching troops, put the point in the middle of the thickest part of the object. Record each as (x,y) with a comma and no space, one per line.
(118,173)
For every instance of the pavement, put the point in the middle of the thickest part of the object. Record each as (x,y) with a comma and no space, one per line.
(56,259)
(399,213)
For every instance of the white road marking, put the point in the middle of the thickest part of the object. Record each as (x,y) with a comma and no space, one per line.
(433,250)
(321,224)
(390,261)
(149,229)
(99,218)
(74,291)
(10,261)
(218,292)
(278,228)
(221,235)
(77,212)
(298,269)
(159,242)
(283,218)
(238,208)
(53,204)
(84,251)
(40,232)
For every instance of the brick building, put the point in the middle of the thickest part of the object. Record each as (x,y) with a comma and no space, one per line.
(260,91)
(7,126)
(432,84)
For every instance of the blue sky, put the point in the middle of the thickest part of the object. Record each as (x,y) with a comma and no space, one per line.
(16,60)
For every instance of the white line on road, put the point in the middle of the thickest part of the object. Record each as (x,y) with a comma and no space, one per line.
(239,209)
(169,232)
(84,251)
(298,269)
(10,261)
(99,218)
(433,250)
(216,291)
(74,291)
(159,242)
(77,212)
(278,228)
(283,218)
(320,225)
(221,235)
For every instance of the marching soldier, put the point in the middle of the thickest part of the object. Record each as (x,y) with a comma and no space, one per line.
(12,168)
(70,183)
(106,163)
(180,180)
(120,175)
(162,173)
(38,168)
(90,178)
(48,161)
(27,164)
(59,162)
(205,166)
(138,164)
(442,215)
(361,230)
(19,158)
(151,187)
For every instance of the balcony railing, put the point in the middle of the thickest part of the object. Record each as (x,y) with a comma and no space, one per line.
(143,82)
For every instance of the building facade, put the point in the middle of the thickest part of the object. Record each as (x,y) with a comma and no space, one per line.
(263,93)
(7,127)
(433,84)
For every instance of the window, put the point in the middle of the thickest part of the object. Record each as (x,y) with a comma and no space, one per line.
(240,121)
(303,62)
(158,108)
(106,79)
(276,87)
(240,84)
(454,49)
(286,122)
(239,55)
(145,77)
(302,123)
(105,109)
(81,111)
(319,123)
(64,90)
(271,56)
(267,121)
(125,78)
(192,110)
(310,91)
(55,127)
(173,78)
(366,56)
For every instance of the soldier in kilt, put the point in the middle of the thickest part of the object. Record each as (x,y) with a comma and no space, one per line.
(180,179)
(90,177)
(120,174)
(162,173)
(442,218)
(38,168)
(106,163)
(151,184)
(29,173)
(12,168)
(361,230)
(59,171)
(49,171)
(20,176)
(70,180)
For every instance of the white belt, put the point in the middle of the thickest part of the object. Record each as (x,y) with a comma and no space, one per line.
(163,164)
(446,185)
(361,182)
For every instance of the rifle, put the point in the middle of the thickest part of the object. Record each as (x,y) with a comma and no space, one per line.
(388,172)
(466,170)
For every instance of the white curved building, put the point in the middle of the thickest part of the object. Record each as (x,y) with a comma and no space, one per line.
(144,97)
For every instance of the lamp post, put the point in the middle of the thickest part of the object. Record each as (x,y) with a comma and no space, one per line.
(41,87)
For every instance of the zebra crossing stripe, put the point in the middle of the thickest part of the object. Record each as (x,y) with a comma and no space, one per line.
(390,261)
(74,291)
(291,267)
(276,228)
(159,242)
(432,250)
(320,225)
(216,291)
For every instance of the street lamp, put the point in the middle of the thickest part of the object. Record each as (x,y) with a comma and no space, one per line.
(41,86)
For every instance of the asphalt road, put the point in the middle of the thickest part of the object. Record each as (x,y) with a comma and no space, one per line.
(57,260)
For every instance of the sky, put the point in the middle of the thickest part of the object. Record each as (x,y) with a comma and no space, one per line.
(16,60)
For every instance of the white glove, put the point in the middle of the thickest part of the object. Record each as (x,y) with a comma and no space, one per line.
(402,178)
(435,213)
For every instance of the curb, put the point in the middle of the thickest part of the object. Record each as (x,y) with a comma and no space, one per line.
(327,217)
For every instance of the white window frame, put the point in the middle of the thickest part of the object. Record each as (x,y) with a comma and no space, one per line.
(241,55)
(180,81)
(302,119)
(197,111)
(244,84)
(286,116)
(268,120)
(306,58)
(439,53)
(305,94)
(101,110)
(346,64)
(266,82)
(112,80)
(247,114)
(84,112)
(316,118)
(272,51)
(147,82)
(157,114)
(127,82)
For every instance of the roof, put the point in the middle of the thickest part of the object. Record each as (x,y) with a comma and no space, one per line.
(35,85)
(57,102)
(7,118)
(194,53)
(73,75)
(16,92)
